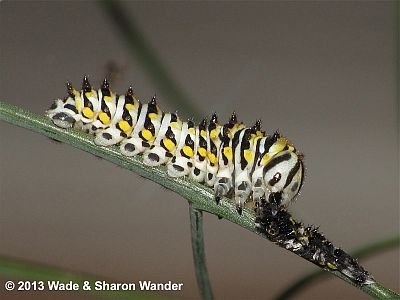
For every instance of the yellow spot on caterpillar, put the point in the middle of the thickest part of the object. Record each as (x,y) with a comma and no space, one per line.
(153,115)
(228,153)
(188,151)
(256,138)
(248,156)
(203,133)
(89,94)
(279,145)
(170,145)
(124,125)
(211,157)
(104,118)
(331,266)
(78,103)
(202,151)
(174,125)
(107,98)
(129,106)
(291,148)
(213,134)
(147,134)
(192,131)
(88,113)
(266,158)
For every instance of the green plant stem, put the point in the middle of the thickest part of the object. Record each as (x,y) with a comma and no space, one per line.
(21,270)
(199,257)
(362,252)
(199,196)
(148,58)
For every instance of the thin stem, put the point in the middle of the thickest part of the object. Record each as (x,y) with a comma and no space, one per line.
(148,58)
(199,257)
(361,253)
(198,195)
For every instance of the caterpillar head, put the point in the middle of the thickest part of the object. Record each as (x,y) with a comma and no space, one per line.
(283,178)
(64,113)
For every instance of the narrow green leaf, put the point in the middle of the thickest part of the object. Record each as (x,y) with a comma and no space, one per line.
(198,195)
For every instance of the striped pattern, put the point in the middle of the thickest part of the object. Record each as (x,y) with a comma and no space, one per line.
(243,163)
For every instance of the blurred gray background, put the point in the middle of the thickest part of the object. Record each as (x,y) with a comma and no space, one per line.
(324,73)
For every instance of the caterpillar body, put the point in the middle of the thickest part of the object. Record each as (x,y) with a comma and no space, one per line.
(243,163)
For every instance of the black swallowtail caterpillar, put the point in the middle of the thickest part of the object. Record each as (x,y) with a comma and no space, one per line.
(233,159)
(240,162)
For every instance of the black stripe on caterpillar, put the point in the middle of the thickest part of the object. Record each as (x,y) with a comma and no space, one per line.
(243,163)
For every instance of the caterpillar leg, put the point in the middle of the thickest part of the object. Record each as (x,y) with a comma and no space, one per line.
(156,156)
(210,176)
(258,187)
(242,190)
(223,184)
(179,166)
(132,146)
(198,173)
(221,188)
(108,137)
(242,193)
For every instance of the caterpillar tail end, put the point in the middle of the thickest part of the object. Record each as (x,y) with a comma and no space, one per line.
(308,243)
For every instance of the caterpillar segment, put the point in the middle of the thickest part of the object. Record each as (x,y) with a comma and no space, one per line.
(165,144)
(182,163)
(262,147)
(239,162)
(145,131)
(244,146)
(105,111)
(122,119)
(224,182)
(90,104)
(199,162)
(213,145)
